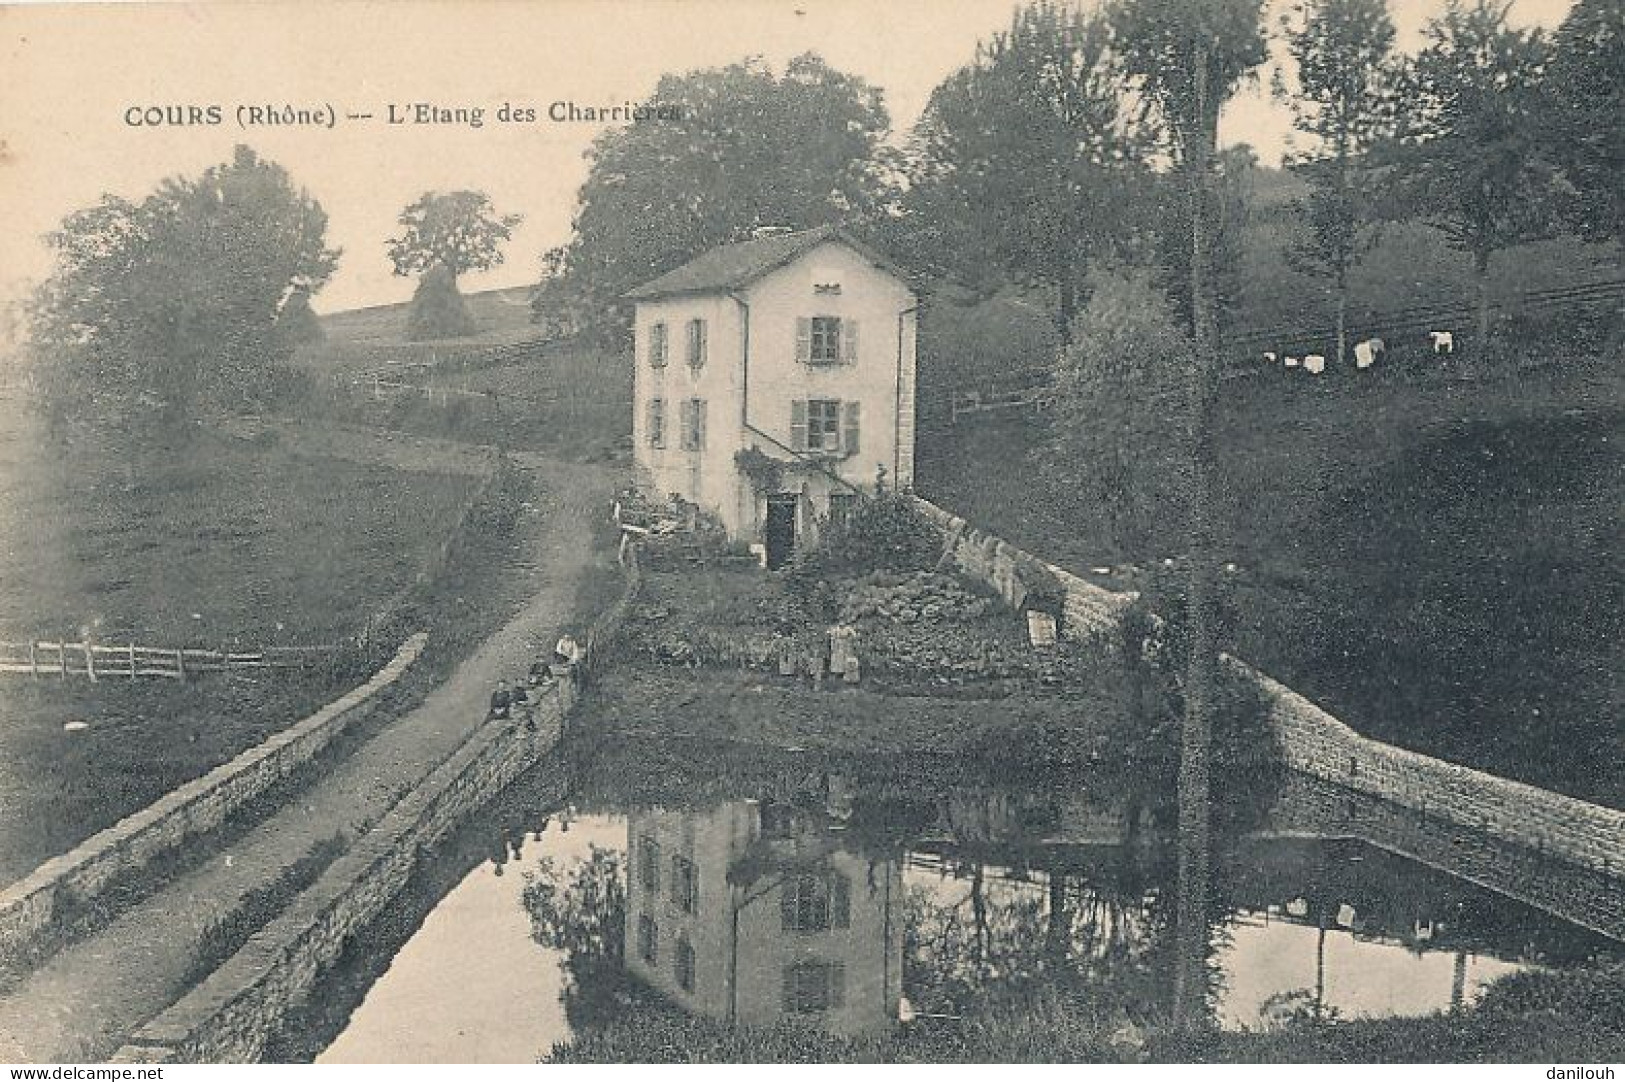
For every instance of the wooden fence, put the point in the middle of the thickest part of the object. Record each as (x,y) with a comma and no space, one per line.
(96,661)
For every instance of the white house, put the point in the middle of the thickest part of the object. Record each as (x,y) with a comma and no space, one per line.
(748,914)
(798,344)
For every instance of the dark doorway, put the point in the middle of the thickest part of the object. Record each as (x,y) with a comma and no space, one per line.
(781,529)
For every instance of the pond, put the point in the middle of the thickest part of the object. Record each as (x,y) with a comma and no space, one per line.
(869,896)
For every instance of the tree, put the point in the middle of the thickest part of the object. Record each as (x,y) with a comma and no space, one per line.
(297,323)
(458,232)
(437,309)
(1026,158)
(1468,154)
(1189,57)
(159,309)
(750,148)
(1343,51)
(1109,442)
(1586,83)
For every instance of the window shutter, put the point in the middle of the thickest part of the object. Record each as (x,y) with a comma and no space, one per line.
(657,345)
(789,989)
(699,424)
(798,424)
(849,428)
(840,901)
(804,339)
(837,984)
(705,339)
(849,348)
(787,906)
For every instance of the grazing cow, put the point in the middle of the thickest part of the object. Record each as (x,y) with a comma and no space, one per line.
(1271,357)
(1314,363)
(1367,352)
(1292,362)
(1443,341)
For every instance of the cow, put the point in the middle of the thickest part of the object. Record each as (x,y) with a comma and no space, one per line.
(1292,362)
(1367,352)
(1314,363)
(1443,341)
(1271,357)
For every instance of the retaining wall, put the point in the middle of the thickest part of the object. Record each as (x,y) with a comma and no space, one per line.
(1089,612)
(233,1014)
(1320,745)
(64,884)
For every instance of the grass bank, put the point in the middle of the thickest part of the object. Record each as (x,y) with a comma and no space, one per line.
(1572,1017)
(1432,561)
(262,543)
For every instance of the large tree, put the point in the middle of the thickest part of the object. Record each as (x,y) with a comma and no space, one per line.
(1469,155)
(163,308)
(748,148)
(1188,58)
(1586,83)
(446,234)
(1026,159)
(1343,54)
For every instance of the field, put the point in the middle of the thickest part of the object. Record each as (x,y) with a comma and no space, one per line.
(1433,561)
(224,540)
(502,386)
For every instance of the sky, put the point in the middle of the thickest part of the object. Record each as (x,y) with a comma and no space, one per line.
(75,70)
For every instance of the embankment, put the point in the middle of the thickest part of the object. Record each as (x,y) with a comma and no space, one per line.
(1318,744)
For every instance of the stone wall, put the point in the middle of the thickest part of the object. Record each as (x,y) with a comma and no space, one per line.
(231,1016)
(1089,610)
(1314,807)
(64,884)
(1320,745)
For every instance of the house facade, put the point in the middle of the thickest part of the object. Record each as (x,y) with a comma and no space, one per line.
(750,913)
(799,345)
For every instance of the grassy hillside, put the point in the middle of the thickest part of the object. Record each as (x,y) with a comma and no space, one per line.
(1433,561)
(503,386)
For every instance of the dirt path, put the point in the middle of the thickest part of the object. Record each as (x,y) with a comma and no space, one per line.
(83,1001)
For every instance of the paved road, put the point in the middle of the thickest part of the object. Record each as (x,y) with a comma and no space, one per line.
(83,1001)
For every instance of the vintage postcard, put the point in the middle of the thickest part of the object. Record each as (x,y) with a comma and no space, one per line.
(812,531)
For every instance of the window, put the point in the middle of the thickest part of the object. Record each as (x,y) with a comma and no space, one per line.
(696,343)
(685,964)
(649,865)
(657,422)
(648,939)
(824,426)
(815,903)
(693,434)
(840,507)
(826,340)
(810,987)
(685,884)
(657,345)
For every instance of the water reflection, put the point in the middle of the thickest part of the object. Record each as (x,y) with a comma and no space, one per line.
(750,911)
(862,900)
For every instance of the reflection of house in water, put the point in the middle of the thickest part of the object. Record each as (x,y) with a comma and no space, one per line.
(751,911)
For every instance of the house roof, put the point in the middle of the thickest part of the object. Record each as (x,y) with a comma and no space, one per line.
(731,266)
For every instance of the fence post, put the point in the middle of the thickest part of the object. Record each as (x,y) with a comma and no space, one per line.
(62,658)
(180,664)
(33,659)
(132,661)
(90,659)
